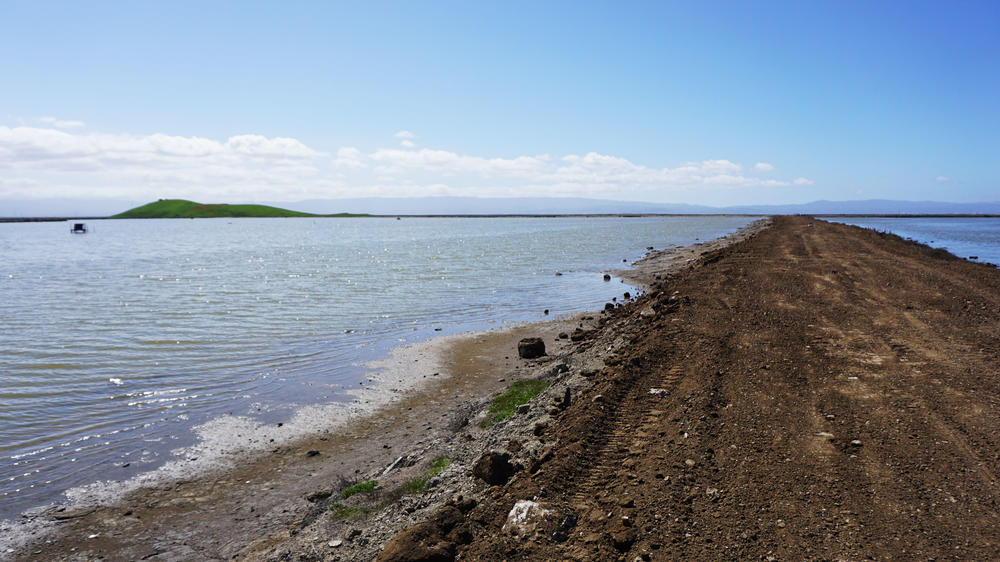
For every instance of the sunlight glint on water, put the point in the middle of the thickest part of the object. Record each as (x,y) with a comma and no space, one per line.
(116,343)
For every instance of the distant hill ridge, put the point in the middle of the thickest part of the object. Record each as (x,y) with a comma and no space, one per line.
(447,205)
(184,209)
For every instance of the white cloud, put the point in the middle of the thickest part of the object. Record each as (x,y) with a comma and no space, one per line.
(763,167)
(279,147)
(349,157)
(943,179)
(405,135)
(25,147)
(719,166)
(48,162)
(407,143)
(65,164)
(62,123)
(444,162)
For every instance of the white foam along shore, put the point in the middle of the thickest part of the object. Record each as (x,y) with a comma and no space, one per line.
(224,442)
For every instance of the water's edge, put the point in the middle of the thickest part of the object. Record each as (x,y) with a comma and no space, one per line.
(216,450)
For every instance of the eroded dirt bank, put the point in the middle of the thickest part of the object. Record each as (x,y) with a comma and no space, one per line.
(816,392)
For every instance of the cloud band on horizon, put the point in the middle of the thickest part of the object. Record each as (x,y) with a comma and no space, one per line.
(49,162)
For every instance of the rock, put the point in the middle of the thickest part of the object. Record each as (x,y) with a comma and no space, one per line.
(312,453)
(689,462)
(562,533)
(578,334)
(623,537)
(607,277)
(319,495)
(400,461)
(530,348)
(523,409)
(566,400)
(627,295)
(525,519)
(563,335)
(335,543)
(661,392)
(609,306)
(546,312)
(647,312)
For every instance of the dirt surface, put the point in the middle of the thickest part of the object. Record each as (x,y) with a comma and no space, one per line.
(804,391)
(818,391)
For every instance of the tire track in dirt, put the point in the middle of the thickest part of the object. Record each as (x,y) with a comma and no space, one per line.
(831,394)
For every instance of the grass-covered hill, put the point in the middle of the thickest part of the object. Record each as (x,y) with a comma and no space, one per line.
(183,209)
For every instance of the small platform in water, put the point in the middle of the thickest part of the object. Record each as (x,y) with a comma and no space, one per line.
(79,228)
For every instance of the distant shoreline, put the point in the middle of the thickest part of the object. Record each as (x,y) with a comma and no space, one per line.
(552,215)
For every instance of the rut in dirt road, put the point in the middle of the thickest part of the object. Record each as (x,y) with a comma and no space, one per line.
(816,392)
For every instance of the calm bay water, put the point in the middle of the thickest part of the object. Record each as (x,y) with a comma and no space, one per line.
(115,344)
(963,236)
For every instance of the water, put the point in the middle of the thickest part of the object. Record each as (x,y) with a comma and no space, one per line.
(117,343)
(963,236)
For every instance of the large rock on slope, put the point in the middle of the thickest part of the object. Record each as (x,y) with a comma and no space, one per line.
(530,348)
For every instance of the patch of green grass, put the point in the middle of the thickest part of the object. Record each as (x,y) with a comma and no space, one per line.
(416,486)
(503,406)
(419,485)
(439,464)
(341,511)
(359,488)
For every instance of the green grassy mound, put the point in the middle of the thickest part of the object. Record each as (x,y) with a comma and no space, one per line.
(183,209)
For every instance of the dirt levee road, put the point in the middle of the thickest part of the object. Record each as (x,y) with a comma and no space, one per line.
(818,391)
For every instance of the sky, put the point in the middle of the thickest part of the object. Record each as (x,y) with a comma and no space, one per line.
(712,103)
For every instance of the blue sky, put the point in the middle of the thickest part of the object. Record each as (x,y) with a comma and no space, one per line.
(708,103)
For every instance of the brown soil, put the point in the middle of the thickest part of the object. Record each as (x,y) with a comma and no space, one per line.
(827,393)
(820,392)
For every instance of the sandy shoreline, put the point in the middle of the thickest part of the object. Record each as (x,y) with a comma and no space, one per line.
(248,495)
(269,486)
